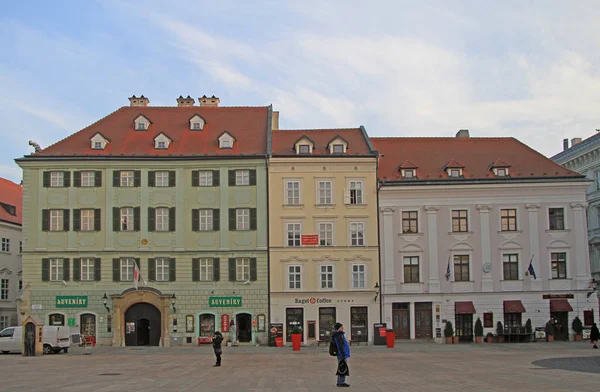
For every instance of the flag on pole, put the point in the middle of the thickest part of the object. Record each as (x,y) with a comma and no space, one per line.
(530,270)
(137,276)
(448,270)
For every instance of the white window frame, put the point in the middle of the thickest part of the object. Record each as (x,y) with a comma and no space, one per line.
(408,173)
(355,227)
(56,270)
(242,269)
(57,220)
(325,230)
(127,219)
(326,277)
(565,226)
(225,143)
(295,229)
(501,172)
(359,276)
(333,148)
(127,179)
(468,220)
(163,265)
(127,267)
(161,219)
(327,198)
(57,179)
(196,125)
(242,219)
(161,144)
(206,266)
(359,192)
(454,173)
(4,322)
(242,177)
(206,219)
(161,179)
(294,277)
(87,220)
(97,145)
(292,194)
(4,289)
(88,179)
(410,257)
(6,245)
(87,269)
(205,178)
(301,146)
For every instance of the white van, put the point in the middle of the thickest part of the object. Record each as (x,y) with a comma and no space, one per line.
(55,339)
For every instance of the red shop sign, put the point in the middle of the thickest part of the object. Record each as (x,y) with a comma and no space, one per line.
(310,239)
(224,323)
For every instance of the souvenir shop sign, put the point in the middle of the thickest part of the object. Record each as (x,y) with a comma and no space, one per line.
(71,301)
(225,302)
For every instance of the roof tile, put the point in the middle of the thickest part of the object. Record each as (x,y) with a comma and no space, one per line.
(284,141)
(11,194)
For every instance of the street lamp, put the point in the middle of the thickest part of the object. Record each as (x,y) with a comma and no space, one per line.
(376,291)
(105,302)
(173,298)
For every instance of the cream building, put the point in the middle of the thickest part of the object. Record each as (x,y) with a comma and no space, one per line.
(324,262)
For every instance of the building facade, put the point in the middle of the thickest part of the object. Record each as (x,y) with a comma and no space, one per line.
(324,264)
(584,157)
(10,251)
(461,221)
(176,193)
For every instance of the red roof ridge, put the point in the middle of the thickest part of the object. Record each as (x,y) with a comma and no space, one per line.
(196,107)
(441,137)
(317,129)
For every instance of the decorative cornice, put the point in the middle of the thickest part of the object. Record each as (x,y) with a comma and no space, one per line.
(358,257)
(432,208)
(387,210)
(5,271)
(579,205)
(294,258)
(533,207)
(484,207)
(326,258)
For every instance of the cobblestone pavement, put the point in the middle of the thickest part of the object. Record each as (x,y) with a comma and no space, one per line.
(419,367)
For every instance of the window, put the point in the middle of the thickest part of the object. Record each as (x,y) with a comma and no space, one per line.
(597,175)
(294,231)
(294,276)
(127,268)
(356,192)
(87,220)
(88,179)
(4,289)
(242,270)
(20,285)
(161,144)
(508,220)
(357,234)
(206,220)
(98,145)
(6,245)
(20,247)
(512,320)
(141,126)
(225,143)
(559,265)
(325,234)
(242,216)
(324,188)
(461,268)
(206,270)
(411,269)
(409,173)
(358,276)
(455,173)
(327,276)
(304,149)
(162,178)
(57,179)
(196,125)
(207,325)
(162,269)
(87,269)
(557,218)
(56,270)
(205,178)
(3,325)
(292,192)
(127,178)
(57,319)
(460,221)
(162,219)
(242,177)
(511,266)
(127,219)
(588,317)
(410,222)
(338,148)
(56,220)
(502,172)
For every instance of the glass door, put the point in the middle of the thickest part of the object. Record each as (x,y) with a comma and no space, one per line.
(326,323)
(359,323)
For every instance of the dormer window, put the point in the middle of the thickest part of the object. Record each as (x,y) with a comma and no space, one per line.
(454,169)
(338,148)
(98,142)
(141,126)
(455,173)
(161,145)
(226,140)
(408,173)
(500,168)
(162,141)
(304,146)
(141,123)
(98,145)
(304,149)
(337,145)
(501,172)
(197,123)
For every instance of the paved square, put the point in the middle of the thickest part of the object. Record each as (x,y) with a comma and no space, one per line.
(415,367)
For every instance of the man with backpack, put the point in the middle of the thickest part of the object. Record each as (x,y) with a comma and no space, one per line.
(340,348)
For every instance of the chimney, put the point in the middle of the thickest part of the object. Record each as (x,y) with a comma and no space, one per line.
(565,144)
(463,133)
(575,140)
(141,101)
(209,101)
(275,122)
(185,102)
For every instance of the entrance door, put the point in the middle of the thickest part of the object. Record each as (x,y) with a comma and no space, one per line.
(401,320)
(29,344)
(87,325)
(359,323)
(326,323)
(244,327)
(142,325)
(464,327)
(423,321)
(294,317)
(561,325)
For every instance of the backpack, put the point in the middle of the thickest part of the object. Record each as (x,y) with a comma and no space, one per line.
(333,351)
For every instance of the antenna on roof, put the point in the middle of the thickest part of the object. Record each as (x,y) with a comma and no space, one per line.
(35,146)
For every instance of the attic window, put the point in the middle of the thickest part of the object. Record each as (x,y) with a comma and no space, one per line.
(501,171)
(12,210)
(140,126)
(226,140)
(303,149)
(408,173)
(226,143)
(455,173)
(161,144)
(196,125)
(338,149)
(97,145)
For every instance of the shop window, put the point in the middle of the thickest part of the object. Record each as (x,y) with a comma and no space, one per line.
(327,319)
(57,319)
(359,323)
(88,325)
(207,325)
(294,317)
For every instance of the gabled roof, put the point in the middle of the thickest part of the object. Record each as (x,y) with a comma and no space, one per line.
(433,154)
(454,164)
(11,194)
(142,115)
(499,163)
(358,144)
(229,134)
(304,137)
(249,124)
(164,134)
(408,165)
(100,133)
(197,115)
(336,138)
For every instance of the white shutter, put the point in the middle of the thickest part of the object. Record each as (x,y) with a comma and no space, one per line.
(346,196)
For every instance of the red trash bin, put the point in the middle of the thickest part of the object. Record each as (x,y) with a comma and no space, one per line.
(279,342)
(390,338)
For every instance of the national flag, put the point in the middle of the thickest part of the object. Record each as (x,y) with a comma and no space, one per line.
(530,269)
(448,270)
(137,276)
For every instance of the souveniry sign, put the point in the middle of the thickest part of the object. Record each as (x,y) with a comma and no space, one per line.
(224,323)
(71,301)
(225,302)
(558,296)
(310,239)
(312,301)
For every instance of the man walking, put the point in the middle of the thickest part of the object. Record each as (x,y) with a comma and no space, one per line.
(217,340)
(343,353)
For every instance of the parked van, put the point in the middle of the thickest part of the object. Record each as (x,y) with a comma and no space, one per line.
(55,339)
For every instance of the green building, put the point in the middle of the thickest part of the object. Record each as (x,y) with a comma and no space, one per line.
(178,193)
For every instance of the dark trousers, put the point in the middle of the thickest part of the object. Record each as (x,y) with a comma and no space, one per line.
(218,355)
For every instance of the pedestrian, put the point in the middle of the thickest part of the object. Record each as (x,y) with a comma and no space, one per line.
(217,340)
(343,353)
(594,335)
(233,334)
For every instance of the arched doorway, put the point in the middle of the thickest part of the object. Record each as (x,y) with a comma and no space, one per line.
(243,323)
(142,325)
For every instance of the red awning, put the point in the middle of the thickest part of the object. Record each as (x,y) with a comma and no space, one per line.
(513,307)
(560,305)
(464,307)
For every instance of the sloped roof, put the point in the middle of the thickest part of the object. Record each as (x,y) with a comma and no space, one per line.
(499,163)
(408,165)
(284,140)
(11,194)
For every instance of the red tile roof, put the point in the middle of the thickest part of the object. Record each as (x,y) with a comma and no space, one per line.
(283,141)
(11,195)
(247,124)
(477,155)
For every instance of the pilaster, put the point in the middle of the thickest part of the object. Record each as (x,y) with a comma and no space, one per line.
(432,236)
(581,247)
(535,252)
(389,283)
(487,283)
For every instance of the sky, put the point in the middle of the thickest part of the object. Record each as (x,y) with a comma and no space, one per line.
(524,69)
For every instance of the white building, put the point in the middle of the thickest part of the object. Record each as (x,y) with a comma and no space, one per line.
(10,251)
(460,220)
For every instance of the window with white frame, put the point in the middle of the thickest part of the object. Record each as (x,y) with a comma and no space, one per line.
(410,222)
(325,233)
(4,321)
(56,220)
(357,234)
(508,218)
(242,218)
(326,276)
(242,177)
(292,190)
(56,270)
(127,219)
(206,270)
(461,268)
(324,189)
(242,270)
(88,179)
(304,149)
(338,148)
(162,219)
(510,263)
(87,220)
(501,172)
(358,276)
(294,231)
(206,220)
(4,289)
(57,179)
(127,178)
(460,221)
(559,265)
(205,178)
(87,269)
(98,145)
(161,178)
(411,269)
(225,143)
(408,173)
(294,276)
(196,125)
(356,192)
(161,144)
(162,269)
(127,268)
(6,245)
(556,218)
(455,173)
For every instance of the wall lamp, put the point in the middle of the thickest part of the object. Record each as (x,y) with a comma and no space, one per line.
(593,285)
(105,302)
(376,291)
(173,298)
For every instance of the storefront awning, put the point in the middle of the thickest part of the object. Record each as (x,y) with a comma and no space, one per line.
(560,305)
(465,307)
(513,307)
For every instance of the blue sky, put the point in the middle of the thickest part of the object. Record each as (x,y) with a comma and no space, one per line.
(528,69)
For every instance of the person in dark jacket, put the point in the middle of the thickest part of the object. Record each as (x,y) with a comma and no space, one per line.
(217,340)
(594,335)
(343,353)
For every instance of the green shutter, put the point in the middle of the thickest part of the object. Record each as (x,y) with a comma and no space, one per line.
(76,270)
(116,178)
(253,272)
(67,179)
(45,270)
(98,178)
(116,219)
(66,220)
(252,176)
(151,178)
(77,220)
(136,219)
(195,270)
(216,269)
(195,219)
(46,179)
(97,219)
(232,220)
(216,177)
(172,221)
(216,219)
(172,178)
(195,178)
(231,177)
(45,220)
(152,270)
(66,270)
(172,270)
(137,178)
(116,270)
(97,269)
(232,277)
(151,219)
(252,218)
(77,179)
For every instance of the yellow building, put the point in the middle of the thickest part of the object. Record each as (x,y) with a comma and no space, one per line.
(324,257)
